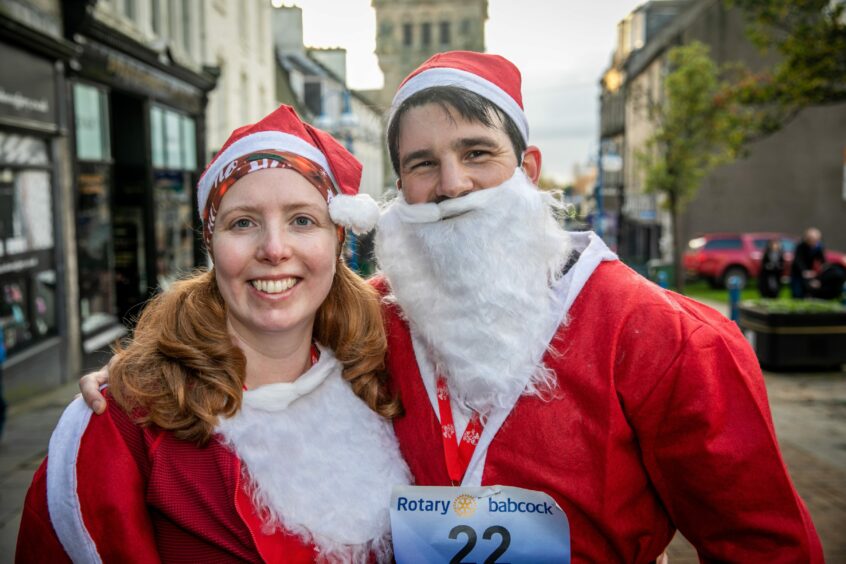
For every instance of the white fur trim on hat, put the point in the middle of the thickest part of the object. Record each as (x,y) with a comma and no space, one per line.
(260,141)
(359,213)
(442,76)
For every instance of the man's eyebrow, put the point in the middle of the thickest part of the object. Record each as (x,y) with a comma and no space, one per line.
(414,155)
(467,142)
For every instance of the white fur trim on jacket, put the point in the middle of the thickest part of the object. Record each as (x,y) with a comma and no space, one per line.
(261,141)
(441,76)
(62,498)
(359,213)
(320,463)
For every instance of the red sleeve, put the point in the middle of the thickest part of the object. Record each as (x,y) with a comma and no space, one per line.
(109,495)
(112,489)
(711,451)
(37,541)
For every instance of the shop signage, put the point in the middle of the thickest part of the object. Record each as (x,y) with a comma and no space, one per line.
(136,75)
(27,89)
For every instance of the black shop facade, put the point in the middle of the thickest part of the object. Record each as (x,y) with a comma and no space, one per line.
(139,144)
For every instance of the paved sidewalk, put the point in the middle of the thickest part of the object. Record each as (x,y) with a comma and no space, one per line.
(22,449)
(809,411)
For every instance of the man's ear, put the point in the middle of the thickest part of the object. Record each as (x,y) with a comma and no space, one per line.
(532,163)
(399,184)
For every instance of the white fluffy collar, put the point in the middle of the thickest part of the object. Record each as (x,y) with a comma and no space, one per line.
(277,397)
(321,464)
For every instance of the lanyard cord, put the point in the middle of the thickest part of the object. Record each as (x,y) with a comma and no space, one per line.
(457,453)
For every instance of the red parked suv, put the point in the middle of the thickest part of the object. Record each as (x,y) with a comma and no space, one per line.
(718,256)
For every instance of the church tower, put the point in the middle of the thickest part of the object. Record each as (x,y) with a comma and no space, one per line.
(410,31)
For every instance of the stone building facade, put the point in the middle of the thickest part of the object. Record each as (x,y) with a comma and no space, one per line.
(788,181)
(408,32)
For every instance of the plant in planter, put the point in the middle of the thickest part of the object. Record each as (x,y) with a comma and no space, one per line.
(789,335)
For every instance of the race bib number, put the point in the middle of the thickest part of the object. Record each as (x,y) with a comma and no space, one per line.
(477,524)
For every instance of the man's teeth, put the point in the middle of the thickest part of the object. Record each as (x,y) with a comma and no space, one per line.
(273,286)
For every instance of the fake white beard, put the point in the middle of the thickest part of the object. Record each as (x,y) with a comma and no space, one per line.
(472,276)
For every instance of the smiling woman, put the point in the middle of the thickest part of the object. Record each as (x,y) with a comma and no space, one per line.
(248,418)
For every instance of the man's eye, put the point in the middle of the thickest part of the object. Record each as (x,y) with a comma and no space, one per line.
(422,164)
(476,154)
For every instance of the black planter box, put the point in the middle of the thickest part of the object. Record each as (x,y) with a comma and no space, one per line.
(791,341)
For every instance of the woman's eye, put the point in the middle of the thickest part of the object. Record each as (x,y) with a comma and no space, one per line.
(242,223)
(302,221)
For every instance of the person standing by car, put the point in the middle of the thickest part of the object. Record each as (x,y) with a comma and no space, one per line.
(808,257)
(772,266)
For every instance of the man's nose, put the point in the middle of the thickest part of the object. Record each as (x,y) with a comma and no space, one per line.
(455,181)
(274,245)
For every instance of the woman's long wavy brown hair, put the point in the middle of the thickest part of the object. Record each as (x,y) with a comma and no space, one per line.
(181,371)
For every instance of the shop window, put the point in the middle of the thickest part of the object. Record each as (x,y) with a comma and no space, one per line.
(173,139)
(95,253)
(27,275)
(26,211)
(174,227)
(92,124)
(174,159)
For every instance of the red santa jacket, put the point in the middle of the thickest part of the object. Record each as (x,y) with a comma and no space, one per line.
(188,506)
(660,421)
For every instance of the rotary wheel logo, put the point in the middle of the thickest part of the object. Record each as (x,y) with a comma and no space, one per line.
(464,505)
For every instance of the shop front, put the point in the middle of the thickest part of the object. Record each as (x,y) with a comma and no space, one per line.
(33,324)
(138,130)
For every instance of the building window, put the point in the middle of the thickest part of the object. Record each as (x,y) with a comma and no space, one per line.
(407,34)
(466,27)
(95,252)
(313,97)
(129,9)
(174,142)
(426,34)
(186,25)
(156,16)
(27,270)
(386,29)
(92,124)
(445,38)
(173,139)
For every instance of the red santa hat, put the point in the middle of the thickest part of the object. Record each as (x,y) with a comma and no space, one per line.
(263,144)
(491,76)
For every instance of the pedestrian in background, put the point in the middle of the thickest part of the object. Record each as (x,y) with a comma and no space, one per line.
(772,267)
(809,257)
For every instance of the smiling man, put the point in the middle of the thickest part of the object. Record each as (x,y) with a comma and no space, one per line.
(528,356)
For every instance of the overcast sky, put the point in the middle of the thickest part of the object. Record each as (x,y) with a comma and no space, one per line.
(561,47)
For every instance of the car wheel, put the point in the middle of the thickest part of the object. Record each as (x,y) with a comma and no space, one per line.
(735,271)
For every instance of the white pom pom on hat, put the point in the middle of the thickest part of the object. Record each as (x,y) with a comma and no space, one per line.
(359,212)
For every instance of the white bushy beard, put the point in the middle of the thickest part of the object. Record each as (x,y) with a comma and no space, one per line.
(473,277)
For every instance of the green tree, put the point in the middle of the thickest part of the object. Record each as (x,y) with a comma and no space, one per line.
(810,38)
(697,127)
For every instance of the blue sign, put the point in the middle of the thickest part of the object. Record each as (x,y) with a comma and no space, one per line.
(477,524)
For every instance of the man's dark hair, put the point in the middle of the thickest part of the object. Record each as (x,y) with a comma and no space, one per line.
(469,105)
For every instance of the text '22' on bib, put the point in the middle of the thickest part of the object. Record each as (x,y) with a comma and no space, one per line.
(477,524)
